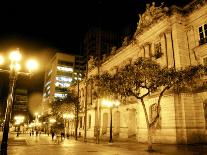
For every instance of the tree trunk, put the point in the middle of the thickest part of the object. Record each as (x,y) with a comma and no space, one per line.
(148,127)
(76,126)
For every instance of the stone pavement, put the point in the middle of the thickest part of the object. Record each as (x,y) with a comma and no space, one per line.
(43,145)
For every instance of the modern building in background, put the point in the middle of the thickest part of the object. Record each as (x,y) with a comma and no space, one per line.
(99,42)
(20,106)
(62,71)
(180,35)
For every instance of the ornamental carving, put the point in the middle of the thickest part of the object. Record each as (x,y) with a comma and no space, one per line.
(91,63)
(151,15)
(113,50)
(125,41)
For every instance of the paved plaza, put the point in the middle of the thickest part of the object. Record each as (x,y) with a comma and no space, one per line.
(43,145)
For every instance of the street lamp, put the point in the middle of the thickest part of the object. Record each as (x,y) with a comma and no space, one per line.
(15,67)
(110,104)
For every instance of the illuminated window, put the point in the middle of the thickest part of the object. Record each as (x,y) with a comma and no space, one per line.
(203,34)
(65,79)
(66,69)
(62,84)
(49,72)
(48,88)
(47,83)
(59,95)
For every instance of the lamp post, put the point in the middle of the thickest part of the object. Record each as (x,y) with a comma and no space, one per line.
(15,58)
(110,104)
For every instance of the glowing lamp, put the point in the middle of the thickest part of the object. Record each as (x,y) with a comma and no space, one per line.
(15,56)
(32,65)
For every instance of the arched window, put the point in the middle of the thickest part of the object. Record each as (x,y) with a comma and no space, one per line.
(153,114)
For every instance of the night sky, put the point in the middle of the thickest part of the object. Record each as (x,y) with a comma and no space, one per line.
(39,28)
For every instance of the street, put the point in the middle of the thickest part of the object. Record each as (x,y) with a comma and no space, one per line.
(43,145)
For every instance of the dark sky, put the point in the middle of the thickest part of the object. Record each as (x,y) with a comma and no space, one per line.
(39,27)
(62,24)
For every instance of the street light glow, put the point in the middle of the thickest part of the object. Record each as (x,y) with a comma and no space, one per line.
(15,67)
(68,116)
(107,103)
(31,65)
(52,120)
(15,56)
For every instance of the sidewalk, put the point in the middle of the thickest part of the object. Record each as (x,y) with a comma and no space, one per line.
(43,145)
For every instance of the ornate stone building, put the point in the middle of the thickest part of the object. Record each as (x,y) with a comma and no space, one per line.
(178,38)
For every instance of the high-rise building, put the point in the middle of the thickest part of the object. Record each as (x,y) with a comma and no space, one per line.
(20,106)
(98,42)
(62,71)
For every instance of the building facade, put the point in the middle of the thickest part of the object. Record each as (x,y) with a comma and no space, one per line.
(62,71)
(20,106)
(99,42)
(180,35)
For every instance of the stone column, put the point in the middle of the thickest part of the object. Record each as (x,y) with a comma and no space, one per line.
(170,54)
(164,58)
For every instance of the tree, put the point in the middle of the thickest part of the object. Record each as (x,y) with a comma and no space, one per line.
(69,104)
(73,98)
(144,77)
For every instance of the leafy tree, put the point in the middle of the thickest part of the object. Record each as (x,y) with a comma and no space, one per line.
(73,98)
(142,78)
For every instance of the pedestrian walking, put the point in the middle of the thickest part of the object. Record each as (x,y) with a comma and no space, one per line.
(62,136)
(53,134)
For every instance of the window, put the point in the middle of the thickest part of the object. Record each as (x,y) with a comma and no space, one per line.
(65,63)
(89,121)
(205,61)
(153,114)
(203,34)
(157,50)
(66,69)
(81,122)
(205,112)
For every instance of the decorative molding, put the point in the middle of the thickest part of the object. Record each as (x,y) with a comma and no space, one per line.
(125,41)
(150,16)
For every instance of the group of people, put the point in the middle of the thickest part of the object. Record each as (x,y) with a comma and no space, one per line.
(32,132)
(58,136)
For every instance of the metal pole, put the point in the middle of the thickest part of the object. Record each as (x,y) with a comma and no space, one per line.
(12,81)
(110,140)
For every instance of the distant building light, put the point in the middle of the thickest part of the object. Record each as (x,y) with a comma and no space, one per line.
(49,72)
(62,78)
(62,84)
(67,69)
(58,95)
(48,88)
(47,83)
